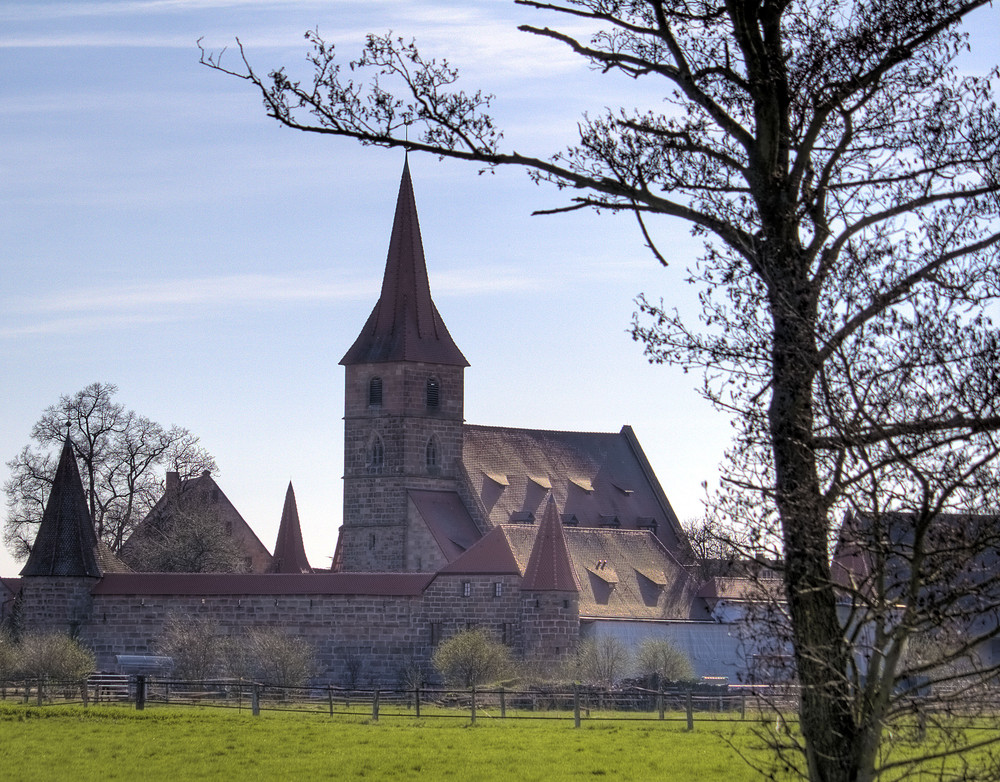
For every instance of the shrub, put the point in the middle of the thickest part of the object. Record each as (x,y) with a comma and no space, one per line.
(8,655)
(54,656)
(193,645)
(603,660)
(471,658)
(274,657)
(659,660)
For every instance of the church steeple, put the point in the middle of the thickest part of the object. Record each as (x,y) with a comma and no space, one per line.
(66,544)
(405,325)
(289,552)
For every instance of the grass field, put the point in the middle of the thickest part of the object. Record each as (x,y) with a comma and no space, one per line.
(177,743)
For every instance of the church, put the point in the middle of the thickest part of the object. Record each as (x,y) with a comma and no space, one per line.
(540,537)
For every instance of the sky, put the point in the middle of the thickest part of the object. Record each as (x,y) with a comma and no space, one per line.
(159,232)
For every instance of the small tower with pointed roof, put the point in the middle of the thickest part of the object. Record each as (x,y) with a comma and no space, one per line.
(289,551)
(64,564)
(550,593)
(404,405)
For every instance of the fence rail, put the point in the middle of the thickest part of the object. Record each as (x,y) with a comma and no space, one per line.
(688,705)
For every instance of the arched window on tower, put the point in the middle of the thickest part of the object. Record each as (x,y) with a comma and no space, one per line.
(375,392)
(376,456)
(433,392)
(432,457)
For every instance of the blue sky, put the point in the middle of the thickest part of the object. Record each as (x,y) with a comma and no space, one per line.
(157,231)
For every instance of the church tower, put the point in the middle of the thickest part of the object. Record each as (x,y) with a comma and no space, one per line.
(404,406)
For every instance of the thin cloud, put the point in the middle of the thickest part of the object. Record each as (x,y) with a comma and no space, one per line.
(125,305)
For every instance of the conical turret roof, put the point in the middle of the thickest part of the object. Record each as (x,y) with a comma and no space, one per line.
(549,567)
(405,325)
(66,544)
(289,552)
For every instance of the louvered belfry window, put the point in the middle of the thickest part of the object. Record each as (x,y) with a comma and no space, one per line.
(375,392)
(433,392)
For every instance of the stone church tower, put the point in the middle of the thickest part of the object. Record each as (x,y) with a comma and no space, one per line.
(404,407)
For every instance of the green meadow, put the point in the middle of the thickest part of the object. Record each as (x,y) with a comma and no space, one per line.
(178,743)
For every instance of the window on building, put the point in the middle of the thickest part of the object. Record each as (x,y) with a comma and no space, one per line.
(376,456)
(498,589)
(466,588)
(371,540)
(506,634)
(375,392)
(433,392)
(435,633)
(431,454)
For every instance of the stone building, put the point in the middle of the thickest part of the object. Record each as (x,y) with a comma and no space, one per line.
(539,536)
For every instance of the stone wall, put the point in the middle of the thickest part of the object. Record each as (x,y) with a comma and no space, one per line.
(366,640)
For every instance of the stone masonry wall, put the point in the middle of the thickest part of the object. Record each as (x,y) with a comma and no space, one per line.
(59,604)
(386,634)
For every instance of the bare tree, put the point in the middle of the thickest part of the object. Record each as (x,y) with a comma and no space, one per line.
(661,661)
(122,457)
(194,646)
(603,661)
(188,540)
(843,174)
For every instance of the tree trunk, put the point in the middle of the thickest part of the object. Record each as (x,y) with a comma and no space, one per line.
(833,750)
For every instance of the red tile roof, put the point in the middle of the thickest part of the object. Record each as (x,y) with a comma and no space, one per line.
(549,567)
(405,325)
(490,556)
(66,544)
(448,520)
(289,551)
(591,475)
(237,584)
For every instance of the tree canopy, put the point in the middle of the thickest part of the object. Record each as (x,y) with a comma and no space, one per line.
(843,174)
(122,455)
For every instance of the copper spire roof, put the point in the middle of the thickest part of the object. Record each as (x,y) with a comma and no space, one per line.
(66,544)
(549,567)
(405,324)
(289,552)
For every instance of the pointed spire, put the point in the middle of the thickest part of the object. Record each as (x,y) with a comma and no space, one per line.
(289,552)
(66,544)
(405,324)
(550,567)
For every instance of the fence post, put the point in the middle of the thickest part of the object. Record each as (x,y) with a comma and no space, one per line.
(473,704)
(659,701)
(503,704)
(743,705)
(140,692)
(329,697)
(255,699)
(416,699)
(40,687)
(375,698)
(85,688)
(576,705)
(690,711)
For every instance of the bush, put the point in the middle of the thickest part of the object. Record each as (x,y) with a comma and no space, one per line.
(193,645)
(471,658)
(274,657)
(603,661)
(54,656)
(661,661)
(8,655)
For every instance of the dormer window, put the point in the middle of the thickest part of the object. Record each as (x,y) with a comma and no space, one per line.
(433,393)
(375,392)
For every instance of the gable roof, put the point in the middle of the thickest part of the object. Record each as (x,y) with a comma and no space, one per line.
(448,520)
(66,544)
(194,495)
(550,567)
(289,551)
(596,477)
(405,325)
